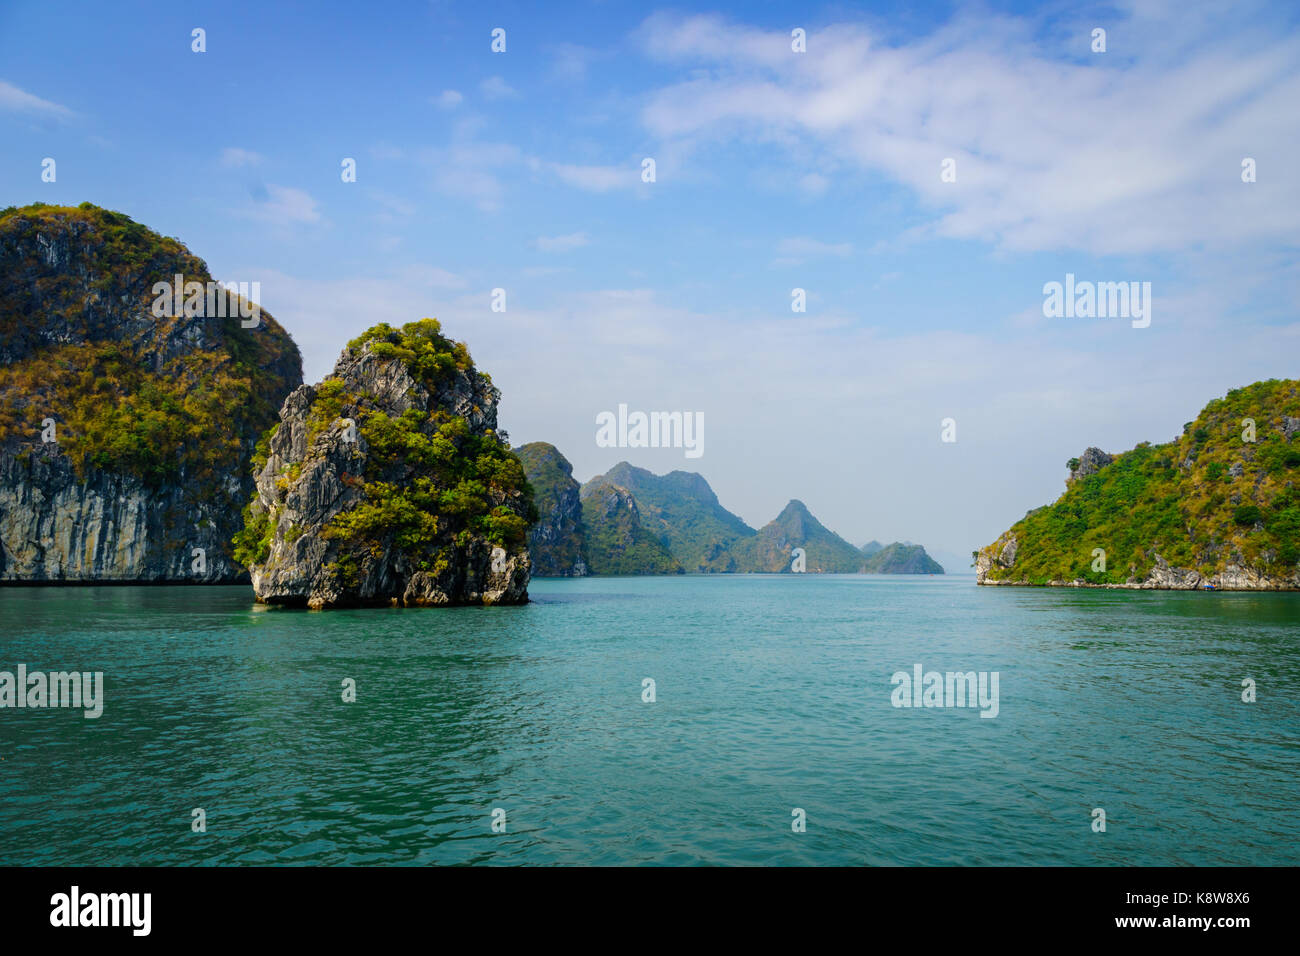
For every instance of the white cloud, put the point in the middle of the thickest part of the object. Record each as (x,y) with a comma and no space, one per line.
(801,248)
(597,179)
(574,240)
(284,205)
(232,157)
(570,60)
(470,170)
(495,88)
(1054,149)
(814,184)
(20,101)
(391,207)
(323,314)
(448,99)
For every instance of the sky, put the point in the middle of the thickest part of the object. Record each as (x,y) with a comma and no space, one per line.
(774,170)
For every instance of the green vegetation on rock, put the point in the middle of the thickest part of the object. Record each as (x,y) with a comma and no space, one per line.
(397,468)
(617,540)
(129,395)
(557,543)
(682,511)
(771,549)
(637,522)
(899,558)
(125,434)
(1208,500)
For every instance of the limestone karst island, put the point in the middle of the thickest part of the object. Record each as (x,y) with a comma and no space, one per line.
(141,444)
(1217,508)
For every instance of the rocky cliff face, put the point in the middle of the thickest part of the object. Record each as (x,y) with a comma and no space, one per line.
(1216,508)
(1090,462)
(557,543)
(125,436)
(388,484)
(618,541)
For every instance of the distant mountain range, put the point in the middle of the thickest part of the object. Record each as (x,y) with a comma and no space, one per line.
(632,521)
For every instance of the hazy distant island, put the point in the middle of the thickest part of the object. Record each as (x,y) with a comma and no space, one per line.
(179,444)
(1216,508)
(631,521)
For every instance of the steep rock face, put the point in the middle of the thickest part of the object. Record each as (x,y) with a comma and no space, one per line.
(617,540)
(1090,462)
(1218,507)
(557,543)
(388,484)
(153,417)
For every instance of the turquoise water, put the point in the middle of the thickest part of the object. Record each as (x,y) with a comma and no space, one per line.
(773,692)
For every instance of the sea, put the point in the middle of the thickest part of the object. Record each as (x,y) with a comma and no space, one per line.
(681,720)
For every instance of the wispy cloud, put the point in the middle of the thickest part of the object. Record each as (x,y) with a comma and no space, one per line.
(495,88)
(448,99)
(18,100)
(232,157)
(283,206)
(472,170)
(391,207)
(574,240)
(569,61)
(1053,149)
(596,179)
(801,248)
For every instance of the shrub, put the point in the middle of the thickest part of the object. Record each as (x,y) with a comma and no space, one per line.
(1246,514)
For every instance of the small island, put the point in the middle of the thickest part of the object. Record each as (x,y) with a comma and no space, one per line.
(1215,509)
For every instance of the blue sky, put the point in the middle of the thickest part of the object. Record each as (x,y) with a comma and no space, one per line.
(775,170)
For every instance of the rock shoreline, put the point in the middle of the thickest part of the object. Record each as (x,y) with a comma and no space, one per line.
(1162,576)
